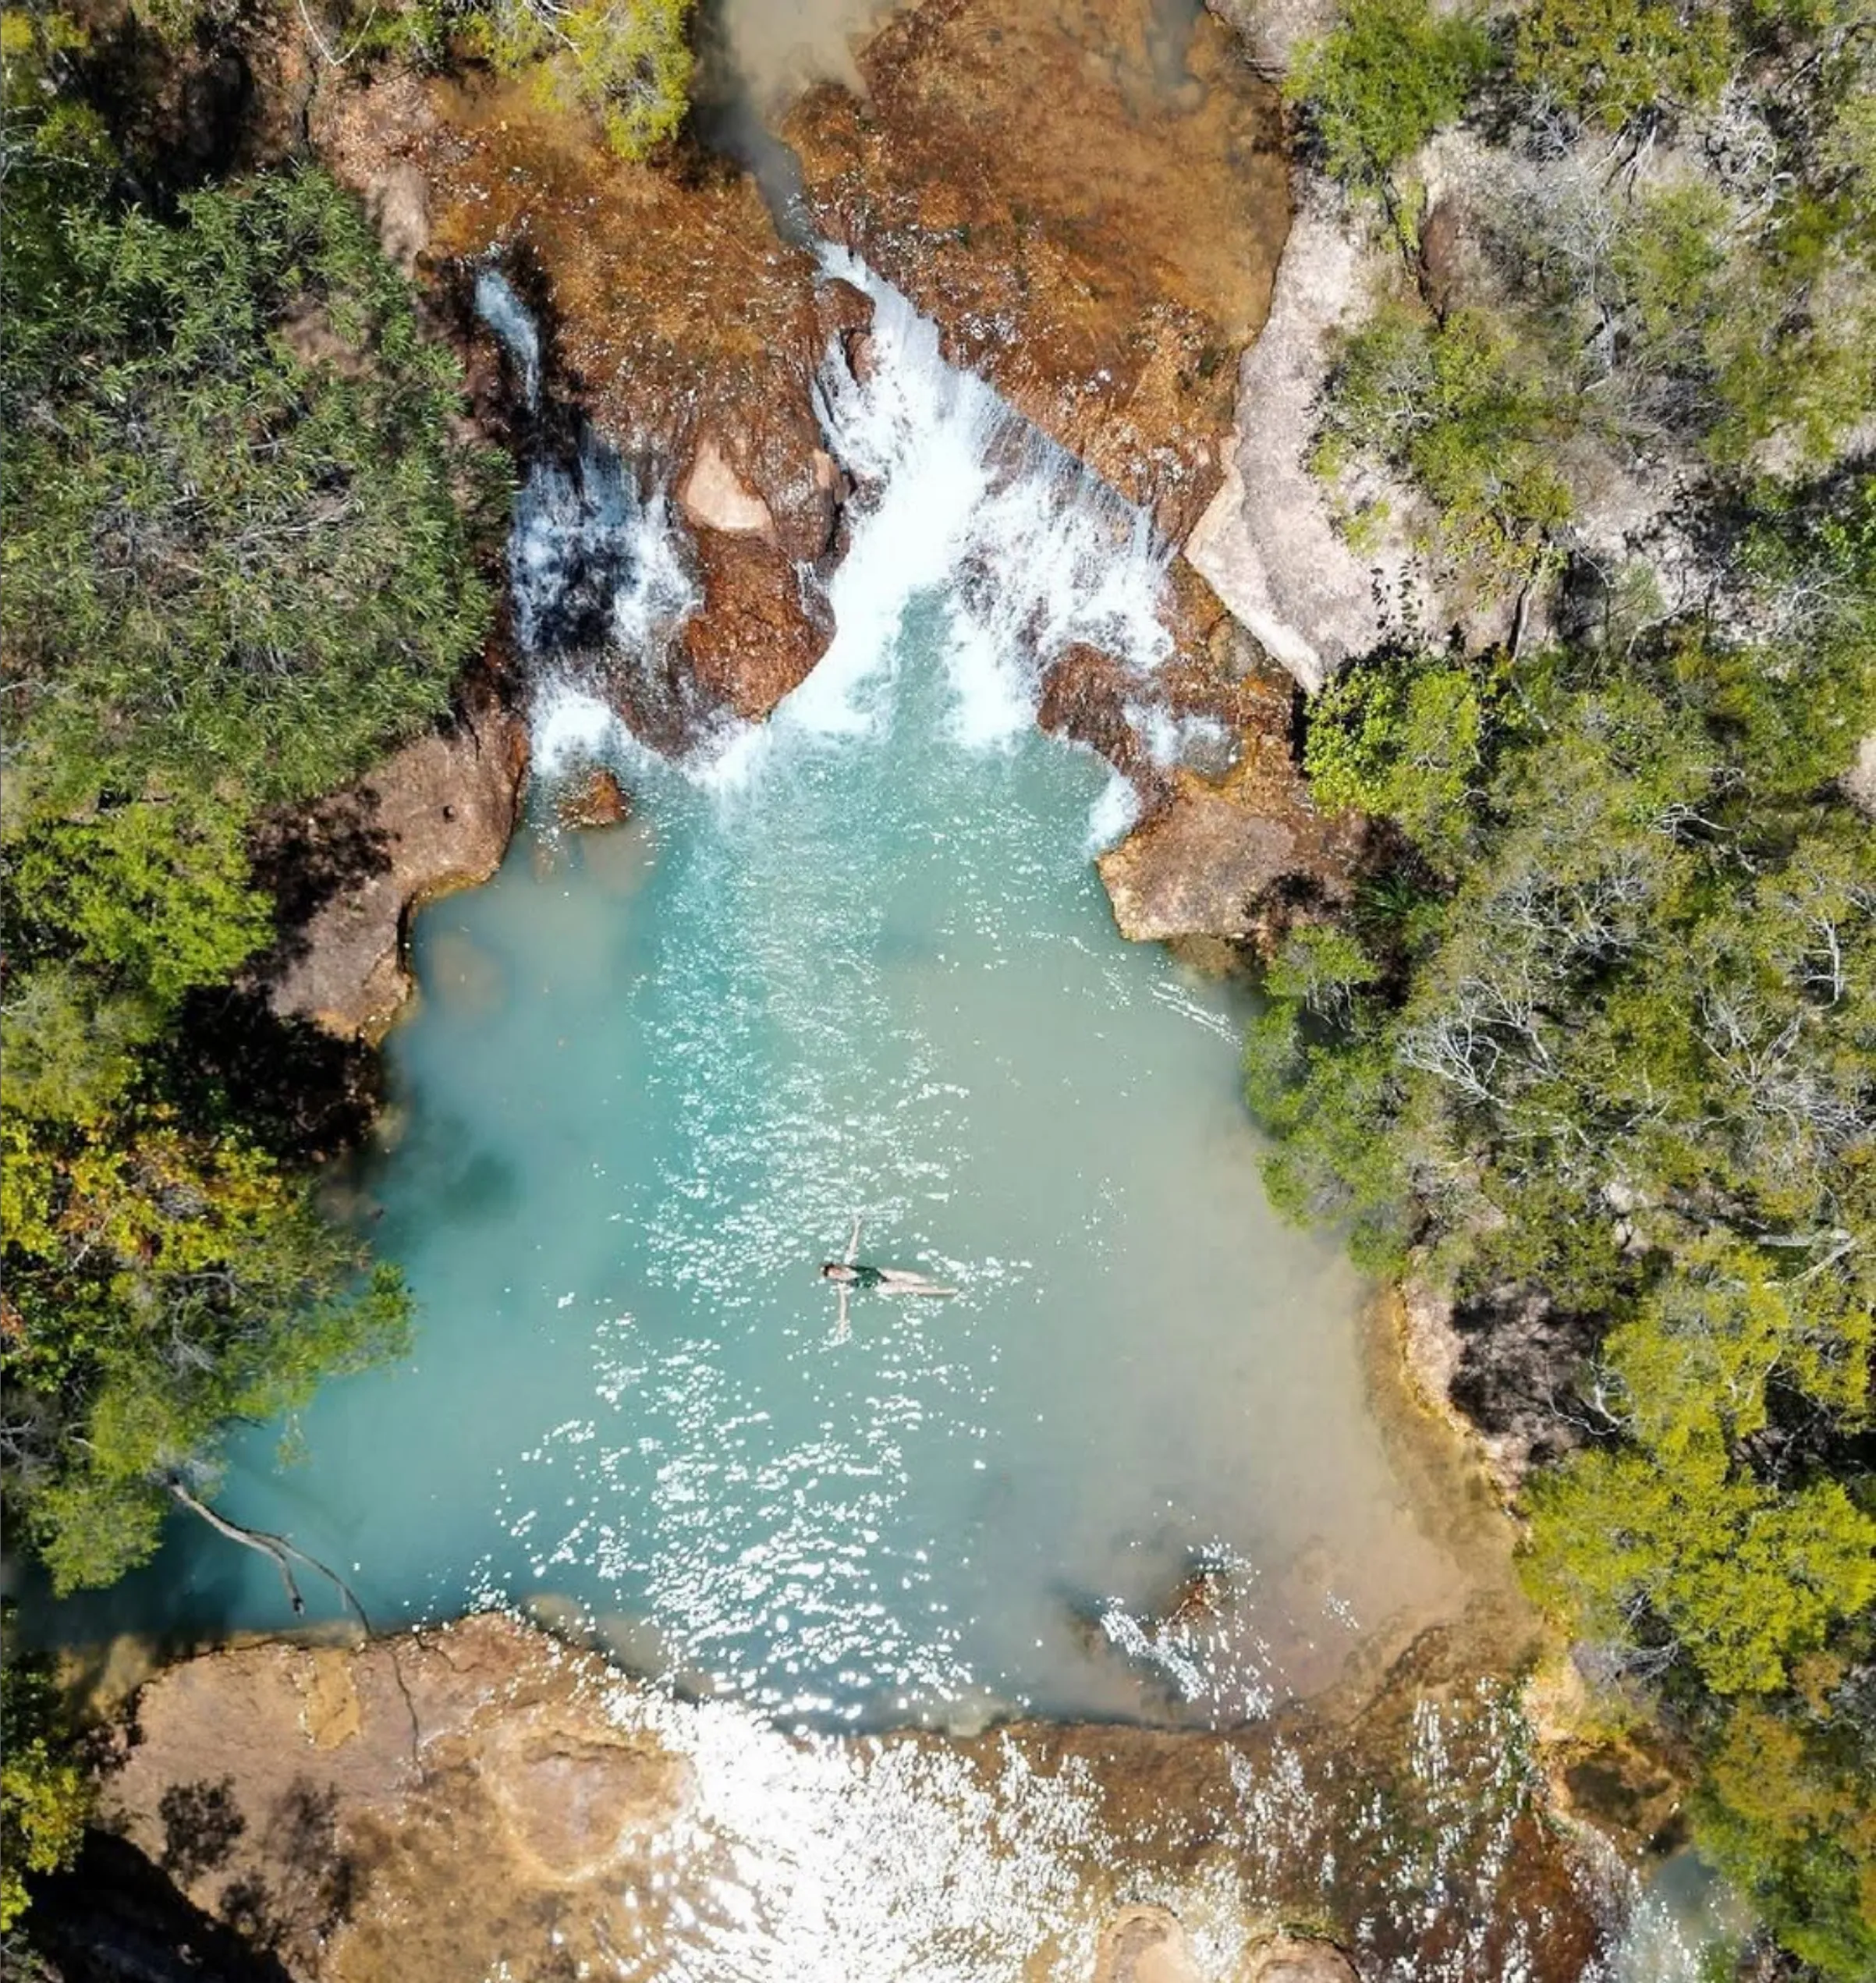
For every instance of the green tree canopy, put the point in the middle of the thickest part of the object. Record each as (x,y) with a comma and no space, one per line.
(1388,76)
(1609,1041)
(1615,60)
(241,544)
(234,550)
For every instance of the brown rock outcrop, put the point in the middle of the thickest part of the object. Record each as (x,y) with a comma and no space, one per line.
(1146,1945)
(1224,856)
(1231,705)
(714,497)
(1292,1959)
(1200,867)
(1229,842)
(678,321)
(480,1799)
(283,1785)
(598,800)
(436,816)
(761,628)
(1089,202)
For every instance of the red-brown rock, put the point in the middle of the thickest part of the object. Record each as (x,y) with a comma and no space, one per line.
(756,636)
(1091,213)
(598,800)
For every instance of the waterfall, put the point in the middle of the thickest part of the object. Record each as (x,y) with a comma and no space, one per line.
(593,567)
(961,496)
(510,319)
(962,503)
(597,578)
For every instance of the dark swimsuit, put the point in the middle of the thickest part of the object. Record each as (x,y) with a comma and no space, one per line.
(865,1277)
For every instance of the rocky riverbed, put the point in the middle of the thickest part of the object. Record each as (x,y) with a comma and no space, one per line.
(485,1800)
(1091,202)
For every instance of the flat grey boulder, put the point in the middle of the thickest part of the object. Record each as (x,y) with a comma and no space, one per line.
(1267,544)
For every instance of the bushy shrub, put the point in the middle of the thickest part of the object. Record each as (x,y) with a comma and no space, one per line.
(45,1793)
(1613,61)
(241,558)
(1467,411)
(1387,76)
(1735,329)
(629,60)
(235,543)
(1627,1067)
(1401,735)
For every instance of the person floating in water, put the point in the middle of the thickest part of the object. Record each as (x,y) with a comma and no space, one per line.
(852,1274)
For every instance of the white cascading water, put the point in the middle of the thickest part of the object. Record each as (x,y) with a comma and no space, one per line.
(959,497)
(594,564)
(962,496)
(513,322)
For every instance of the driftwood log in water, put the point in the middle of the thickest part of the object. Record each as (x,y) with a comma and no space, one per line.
(276,1549)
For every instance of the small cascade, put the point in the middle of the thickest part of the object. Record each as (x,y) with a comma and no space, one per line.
(597,576)
(961,503)
(594,568)
(959,494)
(511,321)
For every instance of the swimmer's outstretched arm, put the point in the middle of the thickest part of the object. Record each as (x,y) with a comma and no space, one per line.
(841,1327)
(854,1243)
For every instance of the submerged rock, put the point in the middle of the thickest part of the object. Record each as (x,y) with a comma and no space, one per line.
(598,800)
(1291,1959)
(1088,196)
(351,870)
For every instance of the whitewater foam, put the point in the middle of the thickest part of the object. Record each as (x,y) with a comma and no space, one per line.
(1112,817)
(961,497)
(571,728)
(963,508)
(511,321)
